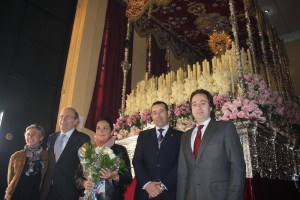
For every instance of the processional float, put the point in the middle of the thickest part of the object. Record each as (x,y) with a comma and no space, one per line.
(239,58)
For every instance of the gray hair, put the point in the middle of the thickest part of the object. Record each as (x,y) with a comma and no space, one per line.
(38,127)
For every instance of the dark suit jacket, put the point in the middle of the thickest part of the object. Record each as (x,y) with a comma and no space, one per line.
(152,164)
(219,172)
(61,174)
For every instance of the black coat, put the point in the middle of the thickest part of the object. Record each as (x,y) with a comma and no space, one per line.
(60,174)
(152,163)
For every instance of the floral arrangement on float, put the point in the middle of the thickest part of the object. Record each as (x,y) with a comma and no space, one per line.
(145,119)
(183,115)
(219,76)
(130,125)
(121,127)
(237,110)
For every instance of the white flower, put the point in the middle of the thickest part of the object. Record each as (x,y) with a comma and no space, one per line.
(98,150)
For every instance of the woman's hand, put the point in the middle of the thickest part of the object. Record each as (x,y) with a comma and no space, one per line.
(87,184)
(109,174)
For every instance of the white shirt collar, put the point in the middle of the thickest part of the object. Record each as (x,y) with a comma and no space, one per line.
(68,133)
(166,128)
(205,123)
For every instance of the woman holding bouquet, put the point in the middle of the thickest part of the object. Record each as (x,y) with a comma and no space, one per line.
(27,167)
(112,187)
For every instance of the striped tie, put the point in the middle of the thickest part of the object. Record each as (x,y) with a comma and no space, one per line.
(59,145)
(160,136)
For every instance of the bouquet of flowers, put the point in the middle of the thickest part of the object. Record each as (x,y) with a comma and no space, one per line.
(93,159)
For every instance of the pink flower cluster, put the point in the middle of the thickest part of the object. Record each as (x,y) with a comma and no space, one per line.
(257,89)
(220,99)
(242,109)
(276,103)
(134,120)
(182,110)
(269,101)
(145,117)
(122,124)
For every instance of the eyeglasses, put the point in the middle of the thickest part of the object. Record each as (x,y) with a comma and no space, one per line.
(103,128)
(66,117)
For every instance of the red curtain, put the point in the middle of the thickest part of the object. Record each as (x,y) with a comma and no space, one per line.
(107,95)
(158,59)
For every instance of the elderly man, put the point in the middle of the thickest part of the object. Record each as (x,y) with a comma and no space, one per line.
(62,149)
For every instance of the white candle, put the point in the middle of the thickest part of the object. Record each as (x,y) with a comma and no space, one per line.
(232,82)
(250,61)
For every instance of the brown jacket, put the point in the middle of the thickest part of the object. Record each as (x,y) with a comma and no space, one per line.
(15,169)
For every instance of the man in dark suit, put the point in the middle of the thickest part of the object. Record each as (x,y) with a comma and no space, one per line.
(156,156)
(217,170)
(63,146)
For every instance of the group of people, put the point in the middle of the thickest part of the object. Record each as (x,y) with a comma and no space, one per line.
(205,163)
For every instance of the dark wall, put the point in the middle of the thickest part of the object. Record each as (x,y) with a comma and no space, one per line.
(34,41)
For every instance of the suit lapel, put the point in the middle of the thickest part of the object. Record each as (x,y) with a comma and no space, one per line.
(153,139)
(209,133)
(52,144)
(168,138)
(187,144)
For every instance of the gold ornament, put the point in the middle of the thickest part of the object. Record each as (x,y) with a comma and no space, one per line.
(219,42)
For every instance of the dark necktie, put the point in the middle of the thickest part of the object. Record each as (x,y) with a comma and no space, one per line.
(160,136)
(197,141)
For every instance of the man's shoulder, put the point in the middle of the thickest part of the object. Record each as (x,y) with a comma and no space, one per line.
(173,130)
(81,134)
(145,132)
(223,123)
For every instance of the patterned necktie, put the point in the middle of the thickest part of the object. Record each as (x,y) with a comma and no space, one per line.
(160,136)
(58,147)
(197,141)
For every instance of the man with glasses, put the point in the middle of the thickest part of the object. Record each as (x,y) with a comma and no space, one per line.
(155,158)
(62,150)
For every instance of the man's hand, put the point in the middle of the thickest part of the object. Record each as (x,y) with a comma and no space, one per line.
(153,189)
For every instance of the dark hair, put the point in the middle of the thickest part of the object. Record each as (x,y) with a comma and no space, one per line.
(160,102)
(208,95)
(108,121)
(38,127)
